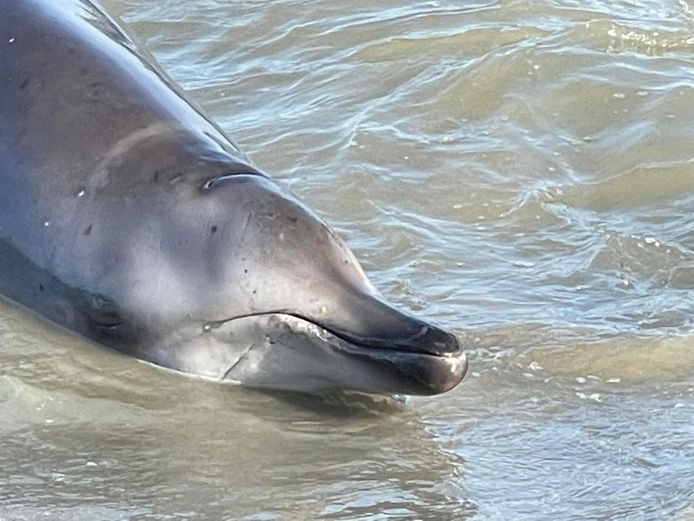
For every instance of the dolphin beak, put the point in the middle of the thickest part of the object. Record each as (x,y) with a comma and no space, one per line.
(413,336)
(432,363)
(288,352)
(360,343)
(420,357)
(415,373)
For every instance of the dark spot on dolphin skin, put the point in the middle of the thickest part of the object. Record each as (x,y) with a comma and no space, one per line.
(41,288)
(292,218)
(24,84)
(213,230)
(155,177)
(95,90)
(88,230)
(245,270)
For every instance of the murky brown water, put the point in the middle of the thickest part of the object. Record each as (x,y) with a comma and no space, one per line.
(520,171)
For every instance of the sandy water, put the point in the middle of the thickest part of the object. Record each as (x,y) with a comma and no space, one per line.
(521,172)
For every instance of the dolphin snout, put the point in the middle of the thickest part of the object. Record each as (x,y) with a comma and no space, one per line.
(427,339)
(423,358)
(431,340)
(371,322)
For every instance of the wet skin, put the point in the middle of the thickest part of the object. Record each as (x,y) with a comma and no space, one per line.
(129,217)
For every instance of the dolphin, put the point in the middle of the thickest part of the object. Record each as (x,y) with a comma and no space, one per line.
(129,217)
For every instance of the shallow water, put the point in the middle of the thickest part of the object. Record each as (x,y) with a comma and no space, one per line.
(519,171)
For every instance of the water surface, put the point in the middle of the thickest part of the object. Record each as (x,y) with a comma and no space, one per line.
(521,172)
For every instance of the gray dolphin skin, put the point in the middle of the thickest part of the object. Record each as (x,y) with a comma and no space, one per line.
(126,215)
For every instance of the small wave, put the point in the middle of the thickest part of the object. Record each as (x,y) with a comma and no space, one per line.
(622,359)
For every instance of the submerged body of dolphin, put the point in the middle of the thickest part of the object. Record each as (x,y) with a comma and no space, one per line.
(128,216)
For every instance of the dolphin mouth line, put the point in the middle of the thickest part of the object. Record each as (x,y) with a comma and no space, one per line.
(400,371)
(354,342)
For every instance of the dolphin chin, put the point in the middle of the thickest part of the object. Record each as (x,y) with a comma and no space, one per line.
(284,351)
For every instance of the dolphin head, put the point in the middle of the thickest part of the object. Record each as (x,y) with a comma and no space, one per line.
(275,299)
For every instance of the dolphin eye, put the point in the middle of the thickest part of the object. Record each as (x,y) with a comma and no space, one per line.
(102,312)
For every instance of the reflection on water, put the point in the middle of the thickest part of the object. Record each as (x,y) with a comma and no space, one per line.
(519,171)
